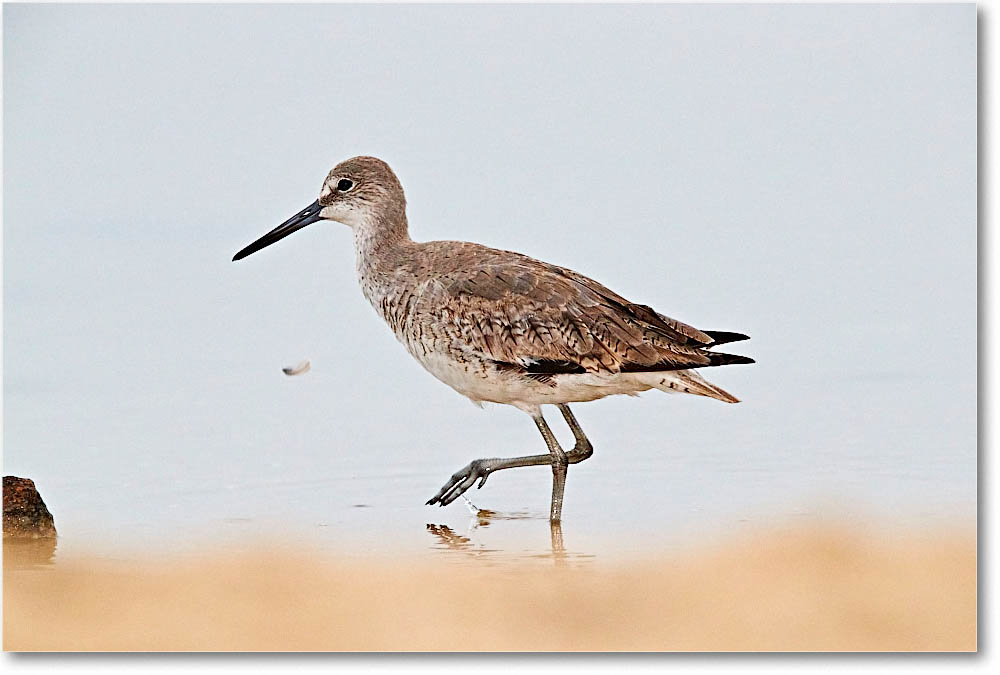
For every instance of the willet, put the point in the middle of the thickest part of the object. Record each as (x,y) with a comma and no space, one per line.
(501,327)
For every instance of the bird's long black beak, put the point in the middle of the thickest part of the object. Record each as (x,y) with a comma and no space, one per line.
(306,216)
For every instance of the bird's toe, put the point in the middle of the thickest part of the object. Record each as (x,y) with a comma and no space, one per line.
(459,482)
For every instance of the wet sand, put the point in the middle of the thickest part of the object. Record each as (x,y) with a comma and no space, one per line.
(818,589)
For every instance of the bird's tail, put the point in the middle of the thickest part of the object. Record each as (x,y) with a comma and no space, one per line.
(689,382)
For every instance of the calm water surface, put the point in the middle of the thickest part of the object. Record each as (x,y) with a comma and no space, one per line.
(668,472)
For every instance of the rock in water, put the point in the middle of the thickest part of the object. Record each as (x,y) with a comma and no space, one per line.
(24,512)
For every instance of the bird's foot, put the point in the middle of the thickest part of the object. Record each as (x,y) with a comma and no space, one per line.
(461,481)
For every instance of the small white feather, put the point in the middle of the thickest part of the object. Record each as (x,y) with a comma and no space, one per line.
(297,370)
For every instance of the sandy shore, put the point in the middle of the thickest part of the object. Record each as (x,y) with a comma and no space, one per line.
(815,590)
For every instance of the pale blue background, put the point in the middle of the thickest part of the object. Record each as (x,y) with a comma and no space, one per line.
(804,174)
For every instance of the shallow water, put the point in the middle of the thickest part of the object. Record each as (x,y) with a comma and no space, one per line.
(872,451)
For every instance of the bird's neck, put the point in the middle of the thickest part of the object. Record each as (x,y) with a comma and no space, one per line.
(381,247)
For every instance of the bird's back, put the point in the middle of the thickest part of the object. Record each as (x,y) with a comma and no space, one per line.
(492,306)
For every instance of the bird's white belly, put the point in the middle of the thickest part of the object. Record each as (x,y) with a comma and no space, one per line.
(481,384)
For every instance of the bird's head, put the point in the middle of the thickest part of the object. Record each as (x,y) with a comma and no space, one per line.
(358,192)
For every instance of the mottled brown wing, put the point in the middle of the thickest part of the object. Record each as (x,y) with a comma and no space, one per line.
(517,310)
(679,332)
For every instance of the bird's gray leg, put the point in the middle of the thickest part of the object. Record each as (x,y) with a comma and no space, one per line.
(480,469)
(559,465)
(583,449)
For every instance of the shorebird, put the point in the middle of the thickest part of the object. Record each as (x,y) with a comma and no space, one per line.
(500,327)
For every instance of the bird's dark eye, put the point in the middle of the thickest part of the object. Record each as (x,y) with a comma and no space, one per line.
(344,185)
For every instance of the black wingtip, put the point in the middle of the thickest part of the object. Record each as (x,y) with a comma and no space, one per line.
(728,359)
(722,337)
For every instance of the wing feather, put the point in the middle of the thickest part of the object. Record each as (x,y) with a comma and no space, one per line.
(513,309)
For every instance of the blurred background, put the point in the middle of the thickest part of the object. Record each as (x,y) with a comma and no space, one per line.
(802,174)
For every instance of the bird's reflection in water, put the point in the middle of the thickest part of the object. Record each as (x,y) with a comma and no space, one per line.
(558,548)
(451,539)
(447,539)
(21,553)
